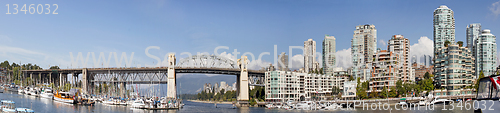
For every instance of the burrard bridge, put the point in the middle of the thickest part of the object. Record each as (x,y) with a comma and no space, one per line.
(203,64)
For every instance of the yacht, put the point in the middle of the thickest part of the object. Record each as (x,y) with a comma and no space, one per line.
(438,100)
(8,106)
(20,90)
(47,93)
(138,103)
(304,105)
(108,102)
(426,100)
(26,90)
(65,97)
(24,110)
(33,92)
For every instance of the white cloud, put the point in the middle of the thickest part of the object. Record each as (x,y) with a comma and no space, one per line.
(297,62)
(5,39)
(199,90)
(424,46)
(343,58)
(256,64)
(495,8)
(382,42)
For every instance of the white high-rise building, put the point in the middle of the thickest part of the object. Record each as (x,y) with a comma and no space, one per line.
(473,31)
(363,47)
(444,26)
(328,55)
(486,53)
(309,55)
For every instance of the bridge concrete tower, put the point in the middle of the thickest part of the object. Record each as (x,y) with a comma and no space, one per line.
(85,81)
(172,88)
(243,80)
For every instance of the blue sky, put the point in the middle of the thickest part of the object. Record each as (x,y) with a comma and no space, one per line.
(201,25)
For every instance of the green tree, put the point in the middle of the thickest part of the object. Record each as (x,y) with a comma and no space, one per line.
(399,87)
(361,89)
(5,64)
(336,90)
(373,93)
(427,75)
(393,92)
(446,43)
(67,87)
(351,78)
(460,43)
(321,71)
(481,75)
(54,67)
(384,92)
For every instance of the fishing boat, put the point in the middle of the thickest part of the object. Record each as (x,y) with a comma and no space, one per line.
(47,93)
(8,106)
(66,97)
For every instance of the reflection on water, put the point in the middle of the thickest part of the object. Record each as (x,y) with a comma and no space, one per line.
(43,105)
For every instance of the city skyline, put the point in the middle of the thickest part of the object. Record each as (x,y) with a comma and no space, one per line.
(165,25)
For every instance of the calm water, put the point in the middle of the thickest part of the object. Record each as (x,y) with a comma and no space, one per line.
(41,105)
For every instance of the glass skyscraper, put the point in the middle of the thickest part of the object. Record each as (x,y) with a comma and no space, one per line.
(486,53)
(444,27)
(363,47)
(328,54)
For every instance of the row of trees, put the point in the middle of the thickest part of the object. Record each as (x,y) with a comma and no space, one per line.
(316,71)
(401,89)
(257,93)
(222,95)
(16,70)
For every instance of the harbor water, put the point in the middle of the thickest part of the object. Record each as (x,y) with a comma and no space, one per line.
(42,105)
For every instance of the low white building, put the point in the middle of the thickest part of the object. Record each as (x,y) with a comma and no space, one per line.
(349,91)
(281,86)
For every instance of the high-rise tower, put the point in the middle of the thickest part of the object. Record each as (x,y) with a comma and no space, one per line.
(444,26)
(473,31)
(486,53)
(309,55)
(328,54)
(363,47)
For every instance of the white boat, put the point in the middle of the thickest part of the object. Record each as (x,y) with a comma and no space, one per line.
(33,92)
(332,106)
(20,90)
(8,106)
(138,103)
(304,105)
(47,93)
(26,90)
(24,110)
(438,100)
(108,102)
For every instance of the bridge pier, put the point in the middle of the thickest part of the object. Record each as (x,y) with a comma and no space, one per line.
(39,80)
(172,88)
(85,82)
(243,81)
